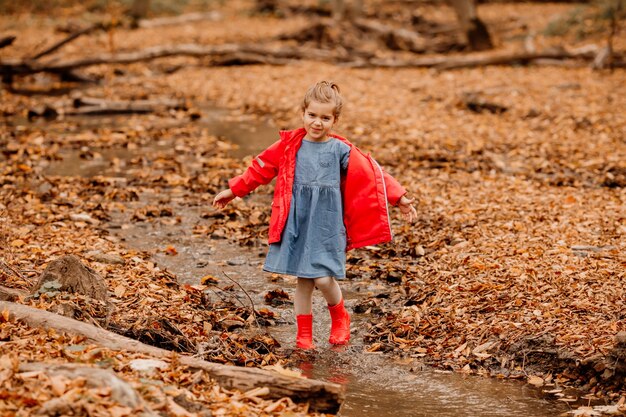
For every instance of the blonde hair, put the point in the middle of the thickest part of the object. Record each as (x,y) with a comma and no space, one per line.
(324,92)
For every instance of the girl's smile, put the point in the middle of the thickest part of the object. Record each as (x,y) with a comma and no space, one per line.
(318,119)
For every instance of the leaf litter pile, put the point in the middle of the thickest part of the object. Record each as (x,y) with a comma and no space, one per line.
(514,269)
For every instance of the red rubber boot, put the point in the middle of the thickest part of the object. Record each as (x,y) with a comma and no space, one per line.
(340,327)
(304,338)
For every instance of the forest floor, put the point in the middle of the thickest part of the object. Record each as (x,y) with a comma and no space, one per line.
(514,269)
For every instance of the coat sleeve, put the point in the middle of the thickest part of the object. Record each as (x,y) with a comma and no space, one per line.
(262,170)
(395,191)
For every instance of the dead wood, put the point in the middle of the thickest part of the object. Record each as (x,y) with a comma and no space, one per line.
(25,67)
(346,50)
(352,34)
(11,294)
(478,36)
(178,20)
(160,332)
(473,102)
(42,110)
(9,270)
(245,58)
(74,277)
(322,396)
(6,41)
(477,60)
(396,39)
(121,392)
(95,106)
(73,36)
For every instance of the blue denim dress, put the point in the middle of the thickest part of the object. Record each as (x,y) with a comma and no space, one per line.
(313,243)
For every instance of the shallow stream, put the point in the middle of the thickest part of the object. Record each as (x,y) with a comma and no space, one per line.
(375,385)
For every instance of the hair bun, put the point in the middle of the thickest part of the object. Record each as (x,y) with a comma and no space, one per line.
(324,92)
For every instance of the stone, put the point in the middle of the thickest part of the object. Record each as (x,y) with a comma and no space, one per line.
(106,258)
(148,366)
(83,217)
(74,277)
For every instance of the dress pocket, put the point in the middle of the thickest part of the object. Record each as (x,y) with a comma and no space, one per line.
(325,159)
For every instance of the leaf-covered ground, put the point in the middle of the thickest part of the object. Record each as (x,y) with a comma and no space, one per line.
(514,268)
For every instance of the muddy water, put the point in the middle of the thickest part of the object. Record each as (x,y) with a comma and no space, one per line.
(250,137)
(375,385)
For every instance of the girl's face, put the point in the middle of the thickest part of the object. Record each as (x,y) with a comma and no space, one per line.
(318,118)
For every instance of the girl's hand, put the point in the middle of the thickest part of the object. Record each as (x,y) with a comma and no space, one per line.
(223,198)
(408,211)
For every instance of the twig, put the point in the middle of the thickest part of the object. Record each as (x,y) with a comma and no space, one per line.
(189,342)
(68,39)
(247,295)
(218,294)
(8,268)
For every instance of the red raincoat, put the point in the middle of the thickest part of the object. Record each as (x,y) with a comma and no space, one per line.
(366,189)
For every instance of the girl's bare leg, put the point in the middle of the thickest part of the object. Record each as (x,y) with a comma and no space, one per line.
(330,290)
(302,302)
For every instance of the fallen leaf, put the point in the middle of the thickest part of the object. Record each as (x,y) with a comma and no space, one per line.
(535,380)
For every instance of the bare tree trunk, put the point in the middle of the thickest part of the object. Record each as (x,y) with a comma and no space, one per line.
(476,32)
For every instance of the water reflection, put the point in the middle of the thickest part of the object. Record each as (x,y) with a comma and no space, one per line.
(377,387)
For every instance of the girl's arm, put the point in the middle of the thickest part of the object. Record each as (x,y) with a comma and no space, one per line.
(262,170)
(223,198)
(396,195)
(395,191)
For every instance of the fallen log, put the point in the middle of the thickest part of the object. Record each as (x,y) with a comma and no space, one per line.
(322,396)
(244,58)
(475,60)
(26,67)
(243,54)
(12,294)
(95,106)
(178,20)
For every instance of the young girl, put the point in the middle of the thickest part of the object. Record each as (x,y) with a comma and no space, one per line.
(329,198)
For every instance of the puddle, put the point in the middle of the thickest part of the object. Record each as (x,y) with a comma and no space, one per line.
(375,385)
(250,137)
